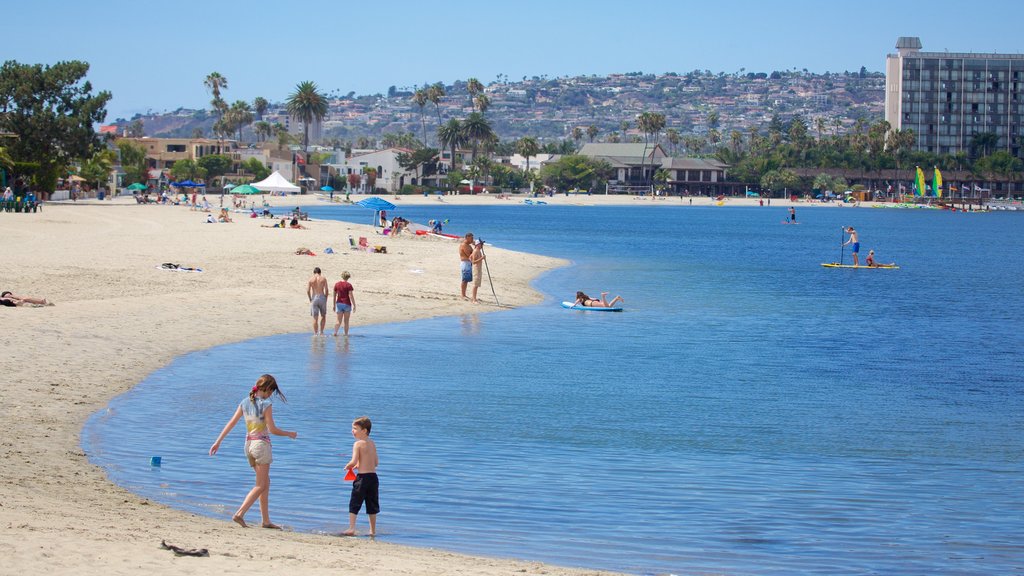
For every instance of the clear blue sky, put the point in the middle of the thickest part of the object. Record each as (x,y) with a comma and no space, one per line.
(154,56)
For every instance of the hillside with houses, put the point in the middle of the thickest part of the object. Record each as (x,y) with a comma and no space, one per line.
(701,108)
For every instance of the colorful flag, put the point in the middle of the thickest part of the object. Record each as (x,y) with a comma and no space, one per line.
(937,183)
(919,183)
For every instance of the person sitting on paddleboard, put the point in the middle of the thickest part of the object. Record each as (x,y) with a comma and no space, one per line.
(871,261)
(586,301)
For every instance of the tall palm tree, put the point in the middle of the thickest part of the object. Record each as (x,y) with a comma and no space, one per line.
(477,130)
(651,124)
(577,135)
(434,94)
(420,99)
(527,146)
(241,116)
(215,82)
(673,137)
(482,102)
(260,105)
(474,87)
(307,104)
(592,132)
(262,129)
(452,136)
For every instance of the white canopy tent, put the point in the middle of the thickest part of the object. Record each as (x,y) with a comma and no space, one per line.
(276,183)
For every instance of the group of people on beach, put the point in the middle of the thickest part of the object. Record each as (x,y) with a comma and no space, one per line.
(471,261)
(257,410)
(344,302)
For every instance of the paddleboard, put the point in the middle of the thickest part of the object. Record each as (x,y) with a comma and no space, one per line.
(570,306)
(879,267)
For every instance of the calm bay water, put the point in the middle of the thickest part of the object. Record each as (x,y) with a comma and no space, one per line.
(750,412)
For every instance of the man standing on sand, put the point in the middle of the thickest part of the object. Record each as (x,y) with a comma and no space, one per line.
(466,263)
(856,245)
(316,290)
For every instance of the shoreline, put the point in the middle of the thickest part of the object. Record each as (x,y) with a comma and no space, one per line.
(118,317)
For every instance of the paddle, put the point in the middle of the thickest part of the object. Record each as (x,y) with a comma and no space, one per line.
(488,269)
(842,234)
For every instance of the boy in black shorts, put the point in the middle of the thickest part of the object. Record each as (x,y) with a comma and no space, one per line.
(365,487)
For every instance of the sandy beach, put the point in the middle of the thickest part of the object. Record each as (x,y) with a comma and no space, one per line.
(119,316)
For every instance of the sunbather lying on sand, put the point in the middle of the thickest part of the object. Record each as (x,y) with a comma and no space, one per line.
(8,299)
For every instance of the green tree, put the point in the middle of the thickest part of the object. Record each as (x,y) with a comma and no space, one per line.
(482,102)
(216,165)
(258,169)
(526,147)
(260,106)
(452,137)
(434,93)
(307,104)
(241,116)
(187,169)
(477,130)
(262,130)
(133,161)
(136,129)
(651,124)
(577,135)
(215,82)
(419,98)
(97,168)
(592,132)
(574,171)
(52,111)
(417,159)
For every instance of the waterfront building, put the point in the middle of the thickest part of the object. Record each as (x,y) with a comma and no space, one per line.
(955,102)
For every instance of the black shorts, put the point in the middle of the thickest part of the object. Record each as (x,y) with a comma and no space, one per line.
(365,488)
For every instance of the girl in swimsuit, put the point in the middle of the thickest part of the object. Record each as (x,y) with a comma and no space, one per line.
(586,301)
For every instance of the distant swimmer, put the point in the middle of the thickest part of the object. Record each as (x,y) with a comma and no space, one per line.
(855,245)
(871,261)
(586,301)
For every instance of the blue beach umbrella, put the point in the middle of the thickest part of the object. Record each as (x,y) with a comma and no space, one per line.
(326,189)
(376,204)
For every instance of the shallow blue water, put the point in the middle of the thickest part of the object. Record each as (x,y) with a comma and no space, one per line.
(750,412)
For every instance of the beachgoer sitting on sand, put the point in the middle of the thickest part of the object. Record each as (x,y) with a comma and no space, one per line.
(12,300)
(210,219)
(295,224)
(224,216)
(586,301)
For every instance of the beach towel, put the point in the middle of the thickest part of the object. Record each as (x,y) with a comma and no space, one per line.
(179,551)
(304,250)
(178,267)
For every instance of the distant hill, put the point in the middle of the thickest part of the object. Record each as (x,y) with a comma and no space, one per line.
(549,108)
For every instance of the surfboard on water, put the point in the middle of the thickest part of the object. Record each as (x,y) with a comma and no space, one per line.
(878,267)
(571,306)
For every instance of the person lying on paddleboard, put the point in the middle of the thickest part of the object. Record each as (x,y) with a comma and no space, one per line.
(871,261)
(586,301)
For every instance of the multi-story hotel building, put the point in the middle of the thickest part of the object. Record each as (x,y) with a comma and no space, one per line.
(948,98)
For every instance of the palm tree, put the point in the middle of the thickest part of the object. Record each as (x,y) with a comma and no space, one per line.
(651,124)
(241,116)
(577,135)
(215,82)
(307,104)
(624,126)
(477,129)
(673,138)
(592,132)
(420,99)
(434,94)
(260,105)
(474,87)
(526,147)
(482,102)
(262,129)
(451,136)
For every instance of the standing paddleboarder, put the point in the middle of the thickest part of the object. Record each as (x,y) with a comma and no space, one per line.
(854,243)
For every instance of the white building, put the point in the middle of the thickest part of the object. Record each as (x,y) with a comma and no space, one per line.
(390,175)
